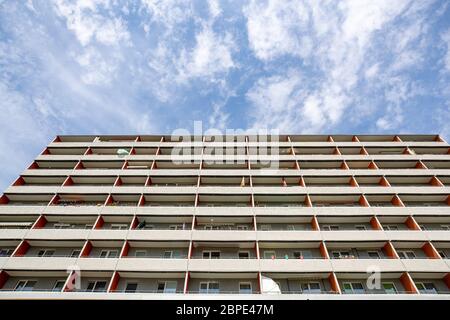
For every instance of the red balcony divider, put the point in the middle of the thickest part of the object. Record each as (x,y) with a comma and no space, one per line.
(384,182)
(125,249)
(87,248)
(431,251)
(435,182)
(134,223)
(118,182)
(353,182)
(4,276)
(113,283)
(323,250)
(363,201)
(363,151)
(68,182)
(40,222)
(344,166)
(315,224)
(420,165)
(408,283)
(34,165)
(99,222)
(4,199)
(375,223)
(334,283)
(396,201)
(390,250)
(21,249)
(79,166)
(412,224)
(447,280)
(372,165)
(19,182)
(186,282)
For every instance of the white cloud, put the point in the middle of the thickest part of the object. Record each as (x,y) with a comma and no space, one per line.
(83,19)
(275,28)
(341,54)
(212,54)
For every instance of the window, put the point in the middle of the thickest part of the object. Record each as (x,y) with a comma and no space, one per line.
(353,287)
(389,287)
(245,287)
(340,254)
(445,227)
(131,287)
(46,253)
(391,227)
(6,252)
(241,227)
(426,287)
(59,285)
(61,226)
(176,227)
(168,254)
(269,254)
(406,254)
(266,227)
(167,287)
(108,254)
(310,287)
(119,226)
(244,255)
(373,254)
(442,254)
(211,254)
(140,253)
(360,227)
(302,254)
(209,287)
(88,226)
(96,286)
(25,285)
(75,253)
(330,227)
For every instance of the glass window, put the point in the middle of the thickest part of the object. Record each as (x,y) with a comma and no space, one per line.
(389,287)
(46,253)
(244,255)
(426,287)
(96,286)
(140,253)
(311,287)
(245,287)
(75,253)
(391,227)
(6,252)
(269,255)
(406,254)
(25,285)
(108,253)
(211,254)
(131,287)
(353,287)
(59,285)
(373,254)
(360,227)
(168,254)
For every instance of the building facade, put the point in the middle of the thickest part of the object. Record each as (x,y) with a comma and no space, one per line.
(281,217)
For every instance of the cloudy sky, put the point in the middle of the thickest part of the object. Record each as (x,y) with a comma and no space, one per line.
(72,67)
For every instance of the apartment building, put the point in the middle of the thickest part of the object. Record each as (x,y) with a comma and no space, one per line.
(284,217)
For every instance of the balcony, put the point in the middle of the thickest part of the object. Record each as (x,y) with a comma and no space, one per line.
(280,201)
(224,223)
(168,200)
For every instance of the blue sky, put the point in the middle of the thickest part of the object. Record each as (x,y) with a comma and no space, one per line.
(88,67)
